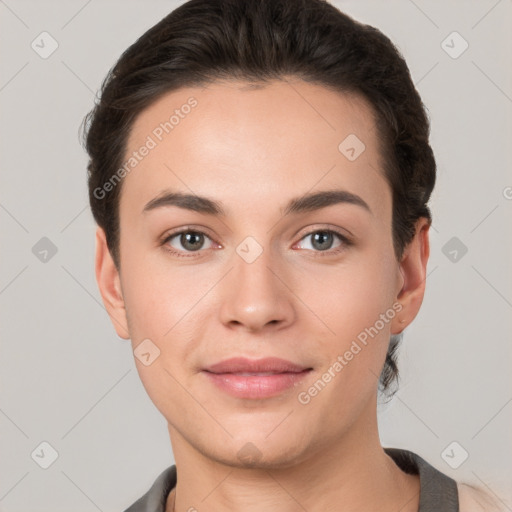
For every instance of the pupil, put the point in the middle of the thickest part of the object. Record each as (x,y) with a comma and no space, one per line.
(190,240)
(320,238)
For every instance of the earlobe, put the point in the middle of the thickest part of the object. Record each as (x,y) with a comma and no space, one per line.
(413,268)
(109,284)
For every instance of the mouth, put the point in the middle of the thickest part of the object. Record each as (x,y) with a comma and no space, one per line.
(255,378)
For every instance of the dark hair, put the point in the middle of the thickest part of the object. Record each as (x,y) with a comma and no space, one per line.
(256,41)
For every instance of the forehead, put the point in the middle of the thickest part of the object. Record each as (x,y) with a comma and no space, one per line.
(233,136)
(302,108)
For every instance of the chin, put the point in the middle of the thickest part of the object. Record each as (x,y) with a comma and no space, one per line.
(251,457)
(258,451)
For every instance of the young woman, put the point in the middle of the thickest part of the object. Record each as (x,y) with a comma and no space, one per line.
(260,172)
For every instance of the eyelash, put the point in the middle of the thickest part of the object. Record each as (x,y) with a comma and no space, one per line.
(346,242)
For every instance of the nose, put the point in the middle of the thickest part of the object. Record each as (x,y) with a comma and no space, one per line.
(255,295)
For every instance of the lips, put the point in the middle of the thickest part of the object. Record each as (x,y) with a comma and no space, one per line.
(270,365)
(255,378)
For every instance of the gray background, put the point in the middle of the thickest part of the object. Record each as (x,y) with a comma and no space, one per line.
(68,380)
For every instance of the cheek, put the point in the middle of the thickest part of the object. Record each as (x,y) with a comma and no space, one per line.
(359,312)
(358,309)
(157,304)
(169,305)
(159,308)
(354,296)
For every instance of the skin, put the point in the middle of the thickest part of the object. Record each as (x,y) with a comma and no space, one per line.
(253,149)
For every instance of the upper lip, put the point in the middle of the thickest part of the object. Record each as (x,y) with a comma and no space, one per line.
(265,365)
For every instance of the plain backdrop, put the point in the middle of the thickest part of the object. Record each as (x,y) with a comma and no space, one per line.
(68,381)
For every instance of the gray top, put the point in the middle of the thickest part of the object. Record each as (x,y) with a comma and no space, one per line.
(438,492)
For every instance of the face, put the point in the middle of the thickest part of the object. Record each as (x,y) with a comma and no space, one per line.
(256,225)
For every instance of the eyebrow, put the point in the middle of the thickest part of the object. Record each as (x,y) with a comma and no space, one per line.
(306,203)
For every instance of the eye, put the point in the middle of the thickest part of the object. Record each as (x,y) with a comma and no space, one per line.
(323,240)
(186,241)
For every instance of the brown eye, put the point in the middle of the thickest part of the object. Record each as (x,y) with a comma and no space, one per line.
(186,241)
(324,240)
(191,240)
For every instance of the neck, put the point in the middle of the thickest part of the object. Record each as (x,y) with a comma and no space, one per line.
(354,474)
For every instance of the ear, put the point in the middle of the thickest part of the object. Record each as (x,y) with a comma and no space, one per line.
(109,283)
(413,268)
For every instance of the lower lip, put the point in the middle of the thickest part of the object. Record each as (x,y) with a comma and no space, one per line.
(255,386)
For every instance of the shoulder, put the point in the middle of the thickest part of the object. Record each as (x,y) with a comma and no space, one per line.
(476,499)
